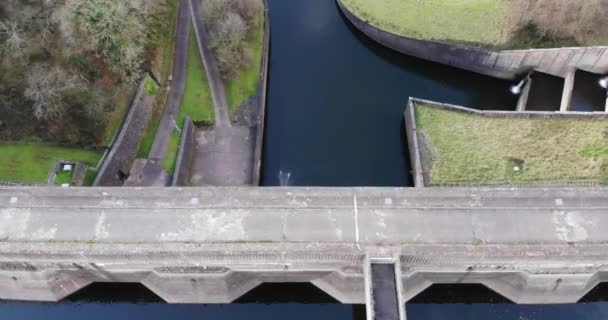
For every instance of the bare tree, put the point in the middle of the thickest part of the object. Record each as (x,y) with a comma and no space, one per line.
(47,88)
(12,39)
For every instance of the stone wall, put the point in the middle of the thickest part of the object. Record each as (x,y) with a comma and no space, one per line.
(418,163)
(259,141)
(507,64)
(184,155)
(123,149)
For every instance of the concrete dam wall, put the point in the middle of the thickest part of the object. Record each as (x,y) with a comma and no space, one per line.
(212,245)
(507,64)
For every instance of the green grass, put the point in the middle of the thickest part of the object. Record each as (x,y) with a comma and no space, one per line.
(63,177)
(197,103)
(30,163)
(471,149)
(114,118)
(150,86)
(89,178)
(484,22)
(246,84)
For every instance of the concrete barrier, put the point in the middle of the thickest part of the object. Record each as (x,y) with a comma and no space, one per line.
(183,164)
(506,64)
(124,149)
(259,141)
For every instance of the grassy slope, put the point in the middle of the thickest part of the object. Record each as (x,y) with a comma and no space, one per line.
(31,163)
(246,84)
(470,21)
(165,64)
(473,149)
(197,103)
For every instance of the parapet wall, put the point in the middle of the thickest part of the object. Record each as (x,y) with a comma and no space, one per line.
(185,153)
(212,245)
(261,121)
(507,64)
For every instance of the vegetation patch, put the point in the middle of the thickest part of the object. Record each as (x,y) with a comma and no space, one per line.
(246,83)
(500,24)
(63,177)
(30,163)
(236,30)
(197,103)
(473,149)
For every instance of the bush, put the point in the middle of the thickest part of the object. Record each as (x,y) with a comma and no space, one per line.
(229,23)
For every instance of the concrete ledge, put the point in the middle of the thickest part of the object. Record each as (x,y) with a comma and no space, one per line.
(507,64)
(183,162)
(259,140)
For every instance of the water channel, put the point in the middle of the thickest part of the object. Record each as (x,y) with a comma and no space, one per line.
(336,100)
(334,119)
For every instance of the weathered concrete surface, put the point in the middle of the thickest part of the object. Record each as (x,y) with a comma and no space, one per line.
(506,64)
(223,156)
(211,245)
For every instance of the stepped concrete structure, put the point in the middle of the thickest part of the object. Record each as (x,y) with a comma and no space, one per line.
(212,245)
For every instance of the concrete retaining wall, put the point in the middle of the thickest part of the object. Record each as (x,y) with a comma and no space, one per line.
(184,155)
(259,141)
(418,165)
(506,64)
(124,150)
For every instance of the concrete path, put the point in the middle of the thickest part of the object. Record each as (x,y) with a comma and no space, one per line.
(178,85)
(223,157)
(216,84)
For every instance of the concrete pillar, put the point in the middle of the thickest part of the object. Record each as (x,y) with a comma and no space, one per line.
(523,99)
(383,296)
(567,94)
(606,102)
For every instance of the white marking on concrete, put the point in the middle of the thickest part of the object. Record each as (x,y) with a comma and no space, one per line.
(559,202)
(100,227)
(569,226)
(388,201)
(13,200)
(195,201)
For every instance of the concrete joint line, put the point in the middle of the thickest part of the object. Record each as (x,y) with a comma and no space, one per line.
(356,222)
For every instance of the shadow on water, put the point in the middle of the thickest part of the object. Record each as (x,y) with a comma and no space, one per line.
(336,100)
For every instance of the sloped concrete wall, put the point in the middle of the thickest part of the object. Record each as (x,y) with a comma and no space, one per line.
(183,164)
(507,64)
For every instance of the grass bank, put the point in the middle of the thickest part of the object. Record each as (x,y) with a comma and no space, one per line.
(246,84)
(483,22)
(30,163)
(197,103)
(470,149)
(163,65)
